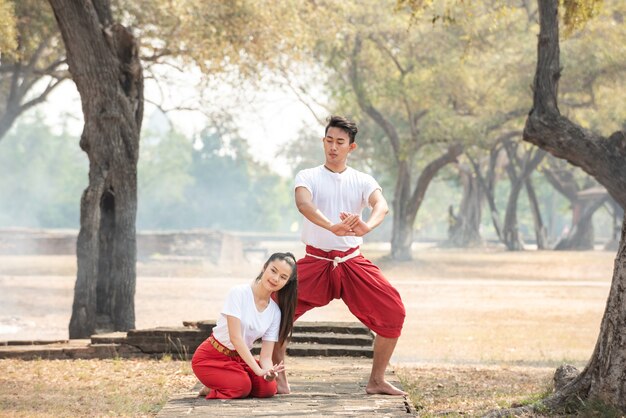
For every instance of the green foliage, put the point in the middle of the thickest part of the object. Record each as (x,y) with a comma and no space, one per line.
(535,399)
(597,408)
(42,176)
(211,182)
(578,12)
(28,25)
(8,28)
(217,35)
(591,89)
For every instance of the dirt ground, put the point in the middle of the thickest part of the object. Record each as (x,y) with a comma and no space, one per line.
(484,329)
(484,306)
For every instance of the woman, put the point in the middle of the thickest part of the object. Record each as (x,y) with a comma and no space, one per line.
(224,363)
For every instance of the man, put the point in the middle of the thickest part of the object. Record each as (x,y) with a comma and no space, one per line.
(331,197)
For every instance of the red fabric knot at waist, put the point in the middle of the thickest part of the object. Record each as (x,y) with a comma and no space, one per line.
(221,348)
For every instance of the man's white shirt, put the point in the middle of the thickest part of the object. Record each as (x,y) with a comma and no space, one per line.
(333,193)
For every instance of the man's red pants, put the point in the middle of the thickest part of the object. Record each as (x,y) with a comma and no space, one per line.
(358,282)
(228,377)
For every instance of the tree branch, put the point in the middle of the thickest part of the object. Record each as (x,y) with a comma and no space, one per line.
(365,104)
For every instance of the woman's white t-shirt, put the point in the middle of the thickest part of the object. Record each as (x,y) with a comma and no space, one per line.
(333,193)
(254,324)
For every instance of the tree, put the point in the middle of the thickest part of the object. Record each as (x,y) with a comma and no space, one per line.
(603,158)
(585,199)
(377,75)
(103,60)
(464,227)
(32,62)
(520,177)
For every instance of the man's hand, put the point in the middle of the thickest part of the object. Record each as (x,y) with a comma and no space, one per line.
(345,227)
(357,225)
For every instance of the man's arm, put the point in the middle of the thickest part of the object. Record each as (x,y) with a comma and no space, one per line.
(379,209)
(304,203)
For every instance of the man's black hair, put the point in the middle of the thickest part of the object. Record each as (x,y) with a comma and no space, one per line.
(344,124)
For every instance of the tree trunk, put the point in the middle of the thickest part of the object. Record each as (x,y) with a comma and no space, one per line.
(510,231)
(618,213)
(488,188)
(603,158)
(402,228)
(103,61)
(406,208)
(584,204)
(464,228)
(541,233)
(581,234)
(401,237)
(512,240)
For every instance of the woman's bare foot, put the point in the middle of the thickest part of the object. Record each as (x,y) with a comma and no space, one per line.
(282,385)
(383,388)
(204,391)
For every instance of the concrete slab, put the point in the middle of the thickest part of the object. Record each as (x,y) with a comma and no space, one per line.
(321,387)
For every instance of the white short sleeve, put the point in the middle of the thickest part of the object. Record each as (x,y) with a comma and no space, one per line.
(234,303)
(370,185)
(272,332)
(303,179)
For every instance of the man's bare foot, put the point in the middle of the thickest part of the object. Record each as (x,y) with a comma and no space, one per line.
(204,391)
(282,385)
(383,388)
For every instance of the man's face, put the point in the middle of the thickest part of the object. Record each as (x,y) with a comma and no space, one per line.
(337,145)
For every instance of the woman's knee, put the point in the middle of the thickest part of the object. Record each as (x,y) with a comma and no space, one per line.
(234,390)
(241,391)
(263,389)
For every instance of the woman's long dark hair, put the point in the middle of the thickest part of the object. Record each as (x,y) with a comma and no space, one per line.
(287,297)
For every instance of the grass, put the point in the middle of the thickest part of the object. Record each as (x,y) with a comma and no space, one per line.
(488,326)
(85,388)
(472,390)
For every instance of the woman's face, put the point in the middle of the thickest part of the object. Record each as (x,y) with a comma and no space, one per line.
(276,275)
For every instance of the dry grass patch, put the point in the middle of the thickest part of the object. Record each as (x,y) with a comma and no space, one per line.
(118,387)
(472,391)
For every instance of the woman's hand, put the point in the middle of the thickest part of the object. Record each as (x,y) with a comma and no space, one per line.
(272,373)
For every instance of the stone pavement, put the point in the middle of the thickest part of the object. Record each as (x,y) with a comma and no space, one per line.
(320,387)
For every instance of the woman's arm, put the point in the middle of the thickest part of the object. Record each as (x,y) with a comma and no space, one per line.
(234,332)
(265,358)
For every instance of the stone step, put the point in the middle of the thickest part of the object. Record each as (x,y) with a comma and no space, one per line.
(308,339)
(153,336)
(324,350)
(72,349)
(33,342)
(332,338)
(353,328)
(109,338)
(301,327)
(180,342)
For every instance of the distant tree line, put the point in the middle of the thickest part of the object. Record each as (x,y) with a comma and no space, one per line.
(209,181)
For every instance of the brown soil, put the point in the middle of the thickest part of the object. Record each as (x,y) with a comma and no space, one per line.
(484,327)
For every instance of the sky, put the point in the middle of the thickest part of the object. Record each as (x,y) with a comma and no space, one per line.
(268,116)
